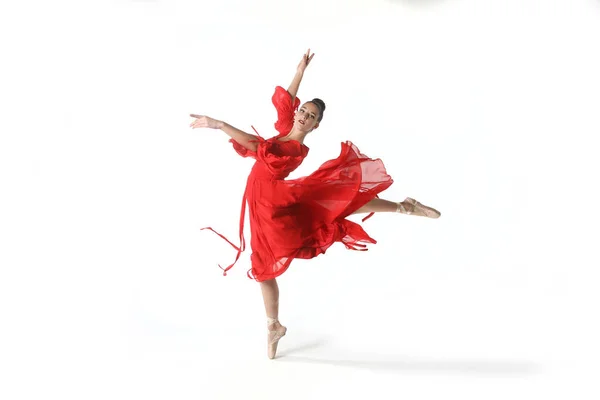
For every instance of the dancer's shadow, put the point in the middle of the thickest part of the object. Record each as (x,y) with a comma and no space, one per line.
(302,347)
(409,364)
(418,3)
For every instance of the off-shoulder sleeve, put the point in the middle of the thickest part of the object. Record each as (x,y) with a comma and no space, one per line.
(282,101)
(244,152)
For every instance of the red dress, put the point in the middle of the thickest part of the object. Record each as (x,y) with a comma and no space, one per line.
(301,218)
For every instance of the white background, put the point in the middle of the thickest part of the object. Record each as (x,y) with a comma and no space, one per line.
(486,110)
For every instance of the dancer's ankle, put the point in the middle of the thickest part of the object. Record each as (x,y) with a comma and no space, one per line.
(273,324)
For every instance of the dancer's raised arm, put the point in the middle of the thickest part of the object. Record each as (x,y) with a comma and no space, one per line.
(245,139)
(293,88)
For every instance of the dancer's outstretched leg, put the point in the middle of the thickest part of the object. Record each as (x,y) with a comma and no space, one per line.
(270,292)
(408,206)
(378,205)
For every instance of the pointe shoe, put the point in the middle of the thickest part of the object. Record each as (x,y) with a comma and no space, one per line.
(416,208)
(274,336)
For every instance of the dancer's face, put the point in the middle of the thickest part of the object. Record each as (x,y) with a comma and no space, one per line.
(305,118)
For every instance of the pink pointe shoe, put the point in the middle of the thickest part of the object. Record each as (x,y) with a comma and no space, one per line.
(412,207)
(274,336)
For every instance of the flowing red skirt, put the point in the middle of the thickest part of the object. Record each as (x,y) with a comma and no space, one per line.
(302,218)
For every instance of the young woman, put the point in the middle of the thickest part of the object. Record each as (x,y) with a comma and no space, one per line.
(302,218)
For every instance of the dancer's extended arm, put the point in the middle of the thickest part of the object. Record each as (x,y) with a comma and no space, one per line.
(293,88)
(245,139)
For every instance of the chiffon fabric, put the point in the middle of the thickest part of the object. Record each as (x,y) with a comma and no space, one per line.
(302,218)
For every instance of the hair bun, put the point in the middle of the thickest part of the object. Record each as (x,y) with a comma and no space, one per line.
(320,103)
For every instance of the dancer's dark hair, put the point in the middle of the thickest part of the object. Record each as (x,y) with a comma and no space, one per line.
(320,105)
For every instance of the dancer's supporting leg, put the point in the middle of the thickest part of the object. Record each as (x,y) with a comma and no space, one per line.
(270,292)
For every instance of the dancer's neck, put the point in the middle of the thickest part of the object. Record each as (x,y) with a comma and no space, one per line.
(296,135)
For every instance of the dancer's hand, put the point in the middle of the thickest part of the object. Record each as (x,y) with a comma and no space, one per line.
(202,121)
(305,61)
